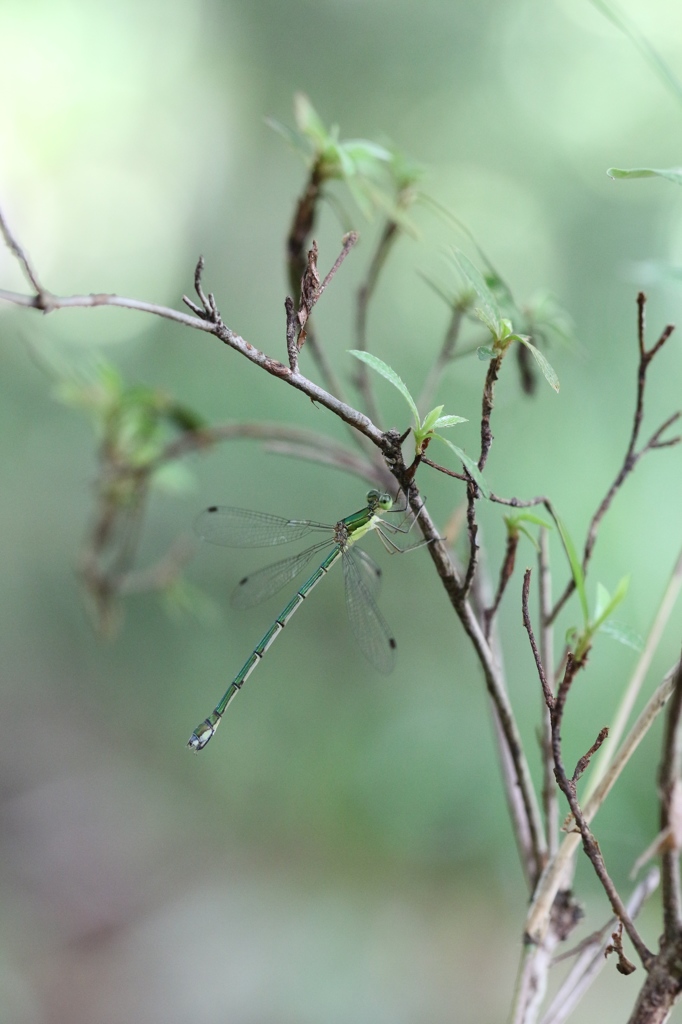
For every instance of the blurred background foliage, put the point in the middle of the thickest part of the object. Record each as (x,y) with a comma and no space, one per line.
(342,851)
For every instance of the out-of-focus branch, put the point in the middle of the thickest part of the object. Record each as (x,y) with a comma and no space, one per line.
(362,380)
(605,756)
(445,357)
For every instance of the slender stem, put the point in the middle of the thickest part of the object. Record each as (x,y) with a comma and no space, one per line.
(669,786)
(592,960)
(632,455)
(26,265)
(506,571)
(549,790)
(493,677)
(569,786)
(555,874)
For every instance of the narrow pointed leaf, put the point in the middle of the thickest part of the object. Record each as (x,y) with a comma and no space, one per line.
(309,121)
(448,421)
(429,421)
(547,370)
(576,567)
(471,466)
(611,602)
(671,173)
(623,634)
(487,309)
(390,375)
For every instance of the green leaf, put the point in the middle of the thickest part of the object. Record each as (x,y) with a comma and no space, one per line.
(471,466)
(365,155)
(606,603)
(488,311)
(295,139)
(390,375)
(547,370)
(448,421)
(528,517)
(576,567)
(429,421)
(623,634)
(602,602)
(309,122)
(485,354)
(529,535)
(671,173)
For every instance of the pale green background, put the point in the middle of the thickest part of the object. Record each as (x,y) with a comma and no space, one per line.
(341,852)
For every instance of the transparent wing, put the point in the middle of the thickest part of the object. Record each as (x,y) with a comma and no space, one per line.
(240,528)
(370,571)
(370,629)
(263,583)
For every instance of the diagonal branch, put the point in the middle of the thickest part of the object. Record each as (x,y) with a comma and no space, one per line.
(568,787)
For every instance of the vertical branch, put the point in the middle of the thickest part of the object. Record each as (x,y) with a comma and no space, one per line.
(549,791)
(669,783)
(568,786)
(487,408)
(472,489)
(365,294)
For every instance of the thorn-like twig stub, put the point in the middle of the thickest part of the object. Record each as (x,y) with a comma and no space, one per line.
(624,966)
(586,758)
(292,322)
(208,309)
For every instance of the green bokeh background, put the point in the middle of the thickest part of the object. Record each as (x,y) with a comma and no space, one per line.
(342,851)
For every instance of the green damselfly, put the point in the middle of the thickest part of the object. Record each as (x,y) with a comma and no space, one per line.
(237,527)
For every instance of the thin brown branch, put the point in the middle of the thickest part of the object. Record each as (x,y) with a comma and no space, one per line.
(590,844)
(546,690)
(632,454)
(481,598)
(549,789)
(668,778)
(347,243)
(300,230)
(506,571)
(291,325)
(221,331)
(494,678)
(20,254)
(487,408)
(442,469)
